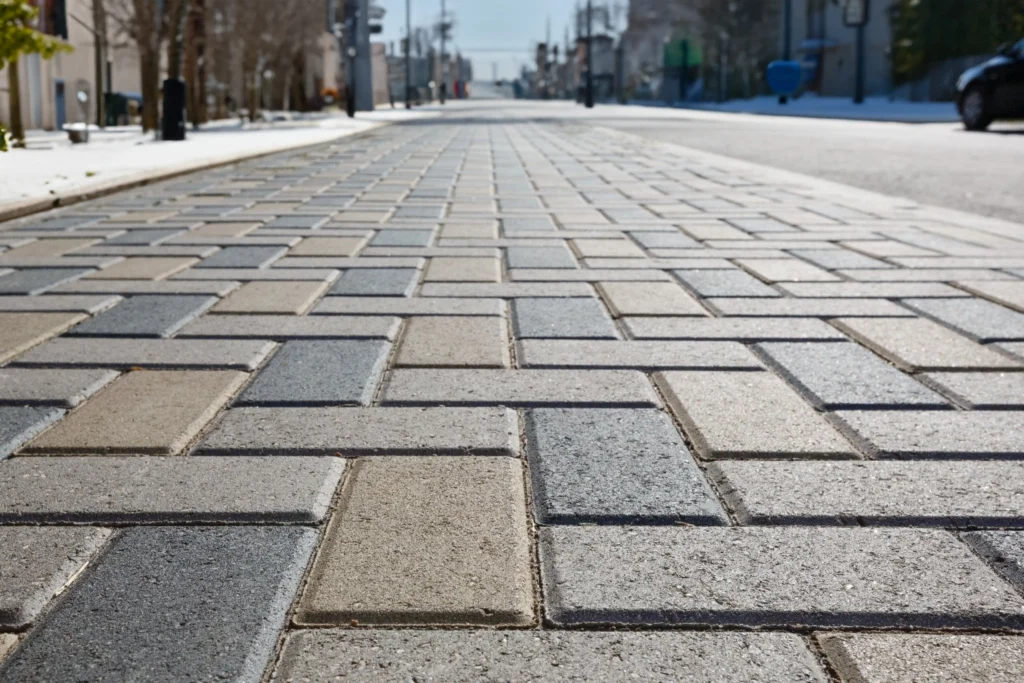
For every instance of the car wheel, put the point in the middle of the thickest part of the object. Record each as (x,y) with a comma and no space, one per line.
(974,110)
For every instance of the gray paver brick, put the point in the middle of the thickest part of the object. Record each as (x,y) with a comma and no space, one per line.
(376,282)
(425,540)
(736,329)
(402,238)
(981,320)
(960,493)
(667,355)
(242,257)
(561,319)
(455,342)
(285,327)
(834,259)
(38,280)
(257,274)
(845,375)
(43,387)
(143,237)
(975,390)
(619,388)
(725,283)
(1010,294)
(365,431)
(786,270)
(507,290)
(1004,550)
(37,564)
(146,316)
(142,412)
(540,257)
(870,290)
(663,240)
(210,607)
(465,656)
(936,434)
(153,354)
(319,373)
(951,658)
(19,424)
(766,577)
(808,308)
(167,490)
(748,415)
(614,467)
(917,344)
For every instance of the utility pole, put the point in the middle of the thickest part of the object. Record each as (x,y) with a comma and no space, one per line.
(589,98)
(99,29)
(408,54)
(444,64)
(787,38)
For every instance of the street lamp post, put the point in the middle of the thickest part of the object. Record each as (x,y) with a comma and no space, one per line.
(444,64)
(408,53)
(589,100)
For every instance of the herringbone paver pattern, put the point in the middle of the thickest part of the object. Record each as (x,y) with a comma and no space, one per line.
(609,405)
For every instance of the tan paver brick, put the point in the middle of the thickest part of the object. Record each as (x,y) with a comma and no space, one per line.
(1008,293)
(455,341)
(21,331)
(748,415)
(483,230)
(142,268)
(786,270)
(623,388)
(147,412)
(649,298)
(916,344)
(458,269)
(285,298)
(422,306)
(328,246)
(425,540)
(49,247)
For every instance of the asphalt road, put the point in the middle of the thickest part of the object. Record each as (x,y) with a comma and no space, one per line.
(938,164)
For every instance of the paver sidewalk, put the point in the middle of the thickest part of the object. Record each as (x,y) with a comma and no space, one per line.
(485,399)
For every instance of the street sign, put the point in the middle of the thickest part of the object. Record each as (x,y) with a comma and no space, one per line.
(785,77)
(856,12)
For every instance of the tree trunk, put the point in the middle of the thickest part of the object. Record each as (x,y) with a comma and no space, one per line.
(14,87)
(99,26)
(195,71)
(175,36)
(150,68)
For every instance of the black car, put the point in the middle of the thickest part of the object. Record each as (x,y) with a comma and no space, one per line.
(993,90)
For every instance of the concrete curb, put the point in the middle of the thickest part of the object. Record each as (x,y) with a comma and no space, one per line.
(21,208)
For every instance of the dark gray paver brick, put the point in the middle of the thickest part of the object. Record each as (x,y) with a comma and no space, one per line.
(462,656)
(45,387)
(172,604)
(37,563)
(1004,550)
(561,319)
(242,257)
(770,577)
(614,467)
(167,490)
(19,424)
(402,238)
(708,283)
(376,282)
(950,658)
(976,390)
(949,493)
(663,240)
(935,434)
(145,316)
(845,375)
(297,221)
(980,320)
(540,257)
(365,431)
(143,237)
(38,280)
(808,308)
(319,373)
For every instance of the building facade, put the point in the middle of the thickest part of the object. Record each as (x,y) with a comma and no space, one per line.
(49,88)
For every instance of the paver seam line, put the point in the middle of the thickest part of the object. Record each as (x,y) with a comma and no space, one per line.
(86,195)
(731,515)
(832,658)
(990,557)
(825,664)
(386,365)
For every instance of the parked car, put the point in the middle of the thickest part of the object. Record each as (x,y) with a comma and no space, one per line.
(993,90)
